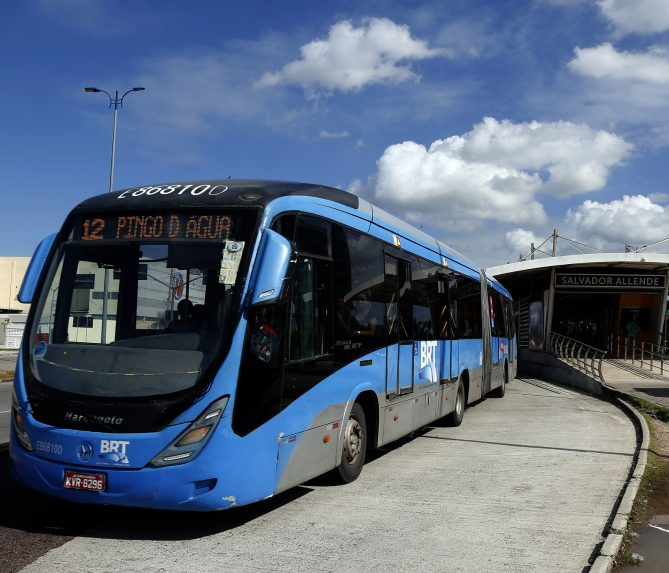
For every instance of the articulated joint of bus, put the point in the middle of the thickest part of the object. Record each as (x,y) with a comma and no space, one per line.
(190,442)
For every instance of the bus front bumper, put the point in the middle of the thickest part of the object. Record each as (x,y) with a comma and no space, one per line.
(189,487)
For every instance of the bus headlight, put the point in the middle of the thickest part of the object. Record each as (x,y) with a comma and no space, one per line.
(189,443)
(19,425)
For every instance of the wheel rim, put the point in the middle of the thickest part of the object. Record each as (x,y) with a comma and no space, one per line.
(459,401)
(352,441)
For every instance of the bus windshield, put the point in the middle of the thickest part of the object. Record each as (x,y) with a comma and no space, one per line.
(140,306)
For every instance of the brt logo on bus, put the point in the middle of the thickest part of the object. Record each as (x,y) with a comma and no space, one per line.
(114,451)
(428,353)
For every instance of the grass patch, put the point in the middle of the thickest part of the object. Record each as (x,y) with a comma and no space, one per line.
(6,375)
(650,409)
(654,479)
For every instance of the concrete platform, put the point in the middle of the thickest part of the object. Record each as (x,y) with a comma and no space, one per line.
(527,483)
(631,379)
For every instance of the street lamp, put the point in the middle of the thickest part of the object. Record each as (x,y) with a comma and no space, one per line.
(114,102)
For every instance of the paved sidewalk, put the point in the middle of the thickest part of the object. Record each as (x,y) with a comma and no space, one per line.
(625,377)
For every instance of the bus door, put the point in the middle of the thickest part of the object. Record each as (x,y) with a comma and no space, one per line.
(488,355)
(399,351)
(496,324)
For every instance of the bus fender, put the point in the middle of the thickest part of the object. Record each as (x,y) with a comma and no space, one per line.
(372,424)
(464,376)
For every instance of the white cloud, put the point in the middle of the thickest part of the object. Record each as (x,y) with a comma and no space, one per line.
(519,241)
(635,220)
(439,181)
(629,90)
(325,134)
(493,173)
(571,158)
(351,58)
(636,16)
(605,62)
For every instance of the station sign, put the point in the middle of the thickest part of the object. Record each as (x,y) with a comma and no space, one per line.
(589,281)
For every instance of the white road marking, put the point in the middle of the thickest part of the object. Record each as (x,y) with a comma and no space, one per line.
(5,412)
(658,527)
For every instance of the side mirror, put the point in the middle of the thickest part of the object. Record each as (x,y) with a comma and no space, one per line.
(35,269)
(271,268)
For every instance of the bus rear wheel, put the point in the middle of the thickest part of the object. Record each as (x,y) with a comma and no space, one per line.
(456,416)
(354,446)
(499,392)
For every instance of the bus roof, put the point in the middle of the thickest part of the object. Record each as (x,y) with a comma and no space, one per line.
(256,193)
(229,192)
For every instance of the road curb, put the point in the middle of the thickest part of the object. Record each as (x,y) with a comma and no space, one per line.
(614,538)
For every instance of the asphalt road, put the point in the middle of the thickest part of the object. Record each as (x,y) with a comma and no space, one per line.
(7,363)
(7,360)
(5,405)
(527,483)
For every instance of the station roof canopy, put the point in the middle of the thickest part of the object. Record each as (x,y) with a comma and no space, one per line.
(531,269)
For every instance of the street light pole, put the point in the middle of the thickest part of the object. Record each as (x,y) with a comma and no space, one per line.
(116,102)
(113,155)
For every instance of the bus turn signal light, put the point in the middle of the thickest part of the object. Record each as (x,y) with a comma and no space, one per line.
(19,426)
(193,436)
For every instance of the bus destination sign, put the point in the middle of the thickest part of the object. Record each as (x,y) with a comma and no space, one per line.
(153,227)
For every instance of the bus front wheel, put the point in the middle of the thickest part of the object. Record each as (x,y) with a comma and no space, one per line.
(355,445)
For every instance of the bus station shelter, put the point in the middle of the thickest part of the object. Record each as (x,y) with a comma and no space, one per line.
(597,299)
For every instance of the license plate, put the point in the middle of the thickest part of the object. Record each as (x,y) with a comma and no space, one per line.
(84,481)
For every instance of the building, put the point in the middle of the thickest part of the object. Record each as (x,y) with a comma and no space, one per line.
(12,271)
(11,329)
(599,299)
(13,314)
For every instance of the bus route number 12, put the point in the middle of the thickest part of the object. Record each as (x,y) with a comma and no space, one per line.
(92,230)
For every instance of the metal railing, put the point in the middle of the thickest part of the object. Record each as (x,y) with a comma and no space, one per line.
(645,353)
(586,358)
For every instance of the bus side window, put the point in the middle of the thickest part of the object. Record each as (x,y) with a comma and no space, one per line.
(508,317)
(285,226)
(358,287)
(424,284)
(442,309)
(466,296)
(501,317)
(494,309)
(301,343)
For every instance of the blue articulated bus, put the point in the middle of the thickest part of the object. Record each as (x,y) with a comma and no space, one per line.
(208,344)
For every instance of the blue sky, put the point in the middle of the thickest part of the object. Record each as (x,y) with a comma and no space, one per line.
(486,123)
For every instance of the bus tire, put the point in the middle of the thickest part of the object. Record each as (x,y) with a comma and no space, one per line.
(456,416)
(354,446)
(499,392)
